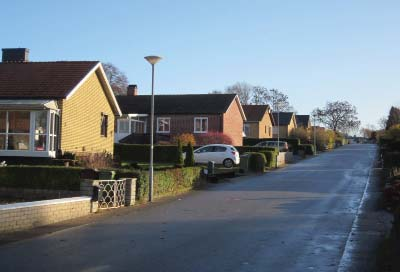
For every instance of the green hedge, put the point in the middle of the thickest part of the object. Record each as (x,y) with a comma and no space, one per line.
(307,148)
(168,182)
(270,153)
(293,143)
(257,161)
(141,152)
(41,177)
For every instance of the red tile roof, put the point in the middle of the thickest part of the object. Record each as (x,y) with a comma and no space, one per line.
(42,79)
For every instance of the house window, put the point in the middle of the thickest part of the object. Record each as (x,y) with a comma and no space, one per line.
(18,130)
(246,130)
(200,124)
(123,126)
(104,124)
(40,130)
(270,131)
(53,133)
(163,125)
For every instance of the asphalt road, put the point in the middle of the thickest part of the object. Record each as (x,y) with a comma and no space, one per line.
(294,219)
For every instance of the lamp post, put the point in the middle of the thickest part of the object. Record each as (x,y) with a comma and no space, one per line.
(315,135)
(152,60)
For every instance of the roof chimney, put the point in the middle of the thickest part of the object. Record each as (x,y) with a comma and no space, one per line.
(132,90)
(15,55)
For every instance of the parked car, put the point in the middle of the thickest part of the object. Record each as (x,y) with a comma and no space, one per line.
(227,155)
(283,146)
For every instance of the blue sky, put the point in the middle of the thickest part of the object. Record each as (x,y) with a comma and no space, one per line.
(314,51)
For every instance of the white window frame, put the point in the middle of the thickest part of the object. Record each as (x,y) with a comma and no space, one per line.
(158,123)
(120,121)
(201,119)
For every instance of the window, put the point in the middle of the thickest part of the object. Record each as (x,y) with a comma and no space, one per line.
(205,149)
(123,126)
(163,125)
(200,124)
(270,131)
(18,130)
(40,130)
(104,124)
(218,148)
(246,130)
(54,127)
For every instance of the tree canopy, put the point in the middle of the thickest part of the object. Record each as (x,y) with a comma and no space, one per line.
(338,116)
(117,79)
(393,118)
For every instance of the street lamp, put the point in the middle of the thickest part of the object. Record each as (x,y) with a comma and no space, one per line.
(152,60)
(315,135)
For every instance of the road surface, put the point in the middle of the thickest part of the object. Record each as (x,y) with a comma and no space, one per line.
(295,219)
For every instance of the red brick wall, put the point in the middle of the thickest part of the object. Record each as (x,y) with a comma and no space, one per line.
(233,124)
(185,123)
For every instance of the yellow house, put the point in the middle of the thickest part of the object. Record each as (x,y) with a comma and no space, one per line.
(259,122)
(285,122)
(47,108)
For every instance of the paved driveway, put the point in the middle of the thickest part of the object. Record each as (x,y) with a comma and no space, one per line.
(295,219)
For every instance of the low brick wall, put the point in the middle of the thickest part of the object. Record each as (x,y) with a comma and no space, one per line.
(26,215)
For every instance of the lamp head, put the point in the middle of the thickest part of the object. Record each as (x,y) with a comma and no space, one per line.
(153,59)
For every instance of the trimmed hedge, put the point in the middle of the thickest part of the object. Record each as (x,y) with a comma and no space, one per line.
(141,152)
(257,161)
(168,182)
(270,153)
(307,148)
(293,143)
(41,177)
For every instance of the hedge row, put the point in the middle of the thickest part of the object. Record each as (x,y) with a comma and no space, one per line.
(257,161)
(141,152)
(292,143)
(41,177)
(307,148)
(168,182)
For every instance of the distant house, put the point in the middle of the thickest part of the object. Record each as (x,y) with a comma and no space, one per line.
(177,114)
(285,122)
(303,121)
(259,121)
(51,107)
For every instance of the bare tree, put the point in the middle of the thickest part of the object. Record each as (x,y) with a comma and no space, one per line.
(260,95)
(215,92)
(279,101)
(382,123)
(338,116)
(118,80)
(243,90)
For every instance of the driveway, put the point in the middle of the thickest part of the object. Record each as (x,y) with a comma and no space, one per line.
(295,219)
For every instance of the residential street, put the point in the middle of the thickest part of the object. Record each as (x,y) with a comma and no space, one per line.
(295,219)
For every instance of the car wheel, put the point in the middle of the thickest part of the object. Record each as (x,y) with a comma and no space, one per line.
(228,163)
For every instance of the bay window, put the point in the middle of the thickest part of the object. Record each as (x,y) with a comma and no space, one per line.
(27,132)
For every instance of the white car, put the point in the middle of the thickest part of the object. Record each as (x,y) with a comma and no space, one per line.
(226,155)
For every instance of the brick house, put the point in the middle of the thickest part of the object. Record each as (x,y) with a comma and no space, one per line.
(177,114)
(259,121)
(303,121)
(285,122)
(52,107)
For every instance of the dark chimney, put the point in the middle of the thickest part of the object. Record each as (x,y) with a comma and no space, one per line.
(15,55)
(132,90)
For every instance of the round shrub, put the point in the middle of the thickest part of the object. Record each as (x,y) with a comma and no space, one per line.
(257,162)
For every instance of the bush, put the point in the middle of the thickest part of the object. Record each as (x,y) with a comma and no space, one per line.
(179,157)
(189,159)
(68,156)
(270,153)
(213,137)
(141,153)
(293,143)
(257,162)
(307,148)
(185,138)
(168,182)
(41,177)
(96,160)
(300,133)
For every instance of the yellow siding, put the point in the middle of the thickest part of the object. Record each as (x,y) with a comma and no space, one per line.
(81,119)
(265,124)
